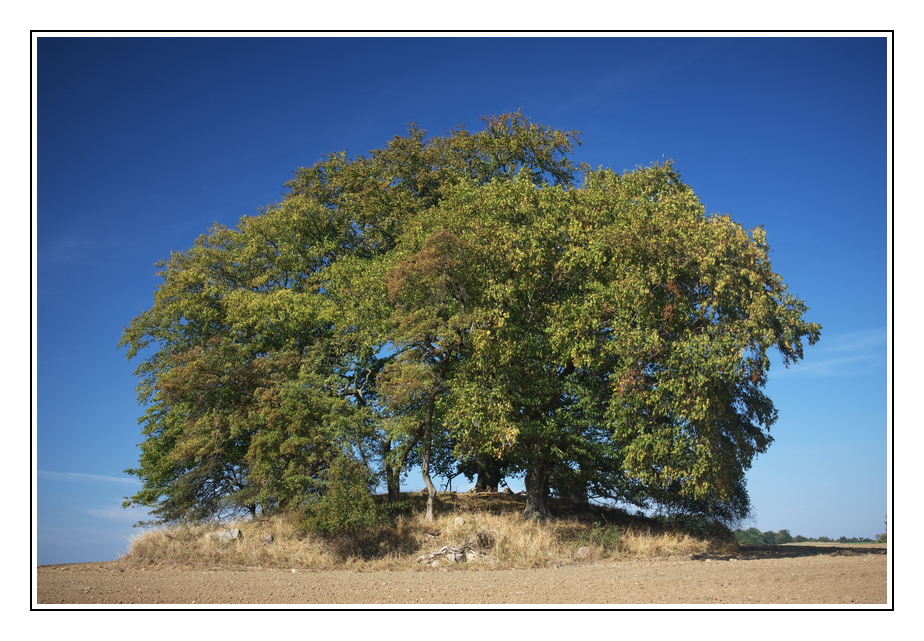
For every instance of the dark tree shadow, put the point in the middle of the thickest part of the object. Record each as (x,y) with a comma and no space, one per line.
(755,552)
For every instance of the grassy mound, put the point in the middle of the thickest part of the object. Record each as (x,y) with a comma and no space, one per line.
(473,531)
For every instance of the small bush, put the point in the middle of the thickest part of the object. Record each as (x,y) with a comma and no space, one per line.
(604,536)
(399,508)
(346,506)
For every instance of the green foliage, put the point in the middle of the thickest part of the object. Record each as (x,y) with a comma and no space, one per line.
(699,526)
(606,536)
(347,505)
(463,298)
(782,537)
(753,536)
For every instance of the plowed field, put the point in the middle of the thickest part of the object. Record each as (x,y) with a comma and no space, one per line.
(819,575)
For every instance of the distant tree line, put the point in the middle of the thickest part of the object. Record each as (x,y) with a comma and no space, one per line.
(753,536)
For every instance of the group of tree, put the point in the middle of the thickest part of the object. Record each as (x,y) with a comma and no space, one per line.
(753,536)
(474,302)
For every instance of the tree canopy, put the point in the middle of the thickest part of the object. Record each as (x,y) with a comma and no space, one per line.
(469,301)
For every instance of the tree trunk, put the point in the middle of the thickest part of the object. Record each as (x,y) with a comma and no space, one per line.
(489,473)
(576,495)
(393,484)
(425,472)
(537,492)
(392,477)
(574,490)
(425,459)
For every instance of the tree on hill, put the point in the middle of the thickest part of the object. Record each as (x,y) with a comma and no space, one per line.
(471,297)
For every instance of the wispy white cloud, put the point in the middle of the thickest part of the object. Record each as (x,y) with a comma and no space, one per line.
(130,515)
(79,476)
(847,354)
(69,251)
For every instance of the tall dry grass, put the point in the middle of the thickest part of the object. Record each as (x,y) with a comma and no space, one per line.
(490,538)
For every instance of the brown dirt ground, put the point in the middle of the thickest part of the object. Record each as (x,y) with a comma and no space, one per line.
(779,575)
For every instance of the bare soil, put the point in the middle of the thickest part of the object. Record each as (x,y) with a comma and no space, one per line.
(786,574)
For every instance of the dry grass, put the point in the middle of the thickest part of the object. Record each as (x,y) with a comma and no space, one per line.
(489,528)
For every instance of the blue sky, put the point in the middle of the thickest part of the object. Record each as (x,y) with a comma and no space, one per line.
(144,142)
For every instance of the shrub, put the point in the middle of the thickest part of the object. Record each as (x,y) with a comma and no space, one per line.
(347,505)
(603,535)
